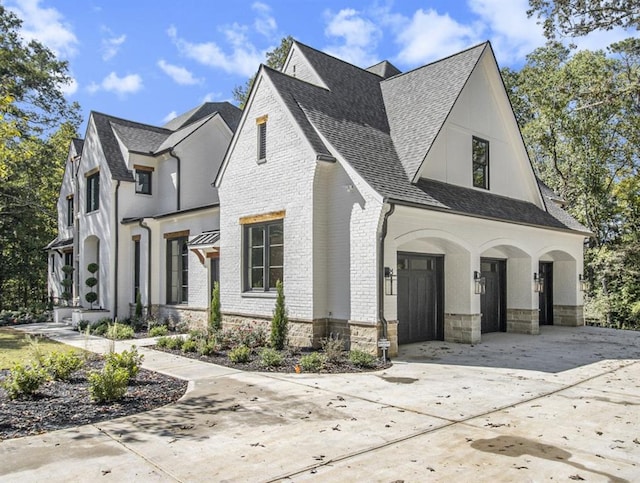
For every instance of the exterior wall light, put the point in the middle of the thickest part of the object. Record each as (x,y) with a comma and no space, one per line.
(538,283)
(582,283)
(388,281)
(480,283)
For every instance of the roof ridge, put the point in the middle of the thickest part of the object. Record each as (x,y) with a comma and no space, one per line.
(430,64)
(336,58)
(117,119)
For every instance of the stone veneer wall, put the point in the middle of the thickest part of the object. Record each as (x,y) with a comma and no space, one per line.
(568,315)
(462,328)
(523,321)
(193,317)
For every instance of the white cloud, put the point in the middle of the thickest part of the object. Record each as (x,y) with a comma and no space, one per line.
(70,88)
(111,45)
(512,34)
(243,59)
(180,75)
(211,96)
(359,37)
(45,25)
(264,23)
(168,117)
(428,36)
(128,84)
(601,39)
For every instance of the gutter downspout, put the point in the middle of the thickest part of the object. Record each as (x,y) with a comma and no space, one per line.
(383,235)
(146,227)
(178,168)
(117,241)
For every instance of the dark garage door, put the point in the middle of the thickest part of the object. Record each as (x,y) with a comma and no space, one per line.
(420,297)
(493,303)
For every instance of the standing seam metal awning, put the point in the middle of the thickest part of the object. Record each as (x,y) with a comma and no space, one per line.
(206,239)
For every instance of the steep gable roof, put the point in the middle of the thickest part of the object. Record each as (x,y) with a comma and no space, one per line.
(142,136)
(229,113)
(78,144)
(418,102)
(368,120)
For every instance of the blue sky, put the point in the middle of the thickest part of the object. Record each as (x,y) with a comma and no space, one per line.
(148,60)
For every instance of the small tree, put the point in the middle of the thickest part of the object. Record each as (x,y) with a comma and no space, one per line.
(67,282)
(215,318)
(280,321)
(138,307)
(91,282)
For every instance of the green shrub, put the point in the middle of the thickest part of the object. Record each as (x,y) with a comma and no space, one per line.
(158,330)
(60,365)
(361,359)
(190,345)
(108,385)
(119,331)
(251,334)
(163,341)
(270,357)
(128,360)
(207,347)
(37,353)
(240,354)
(175,343)
(279,323)
(24,380)
(138,312)
(313,362)
(101,327)
(333,348)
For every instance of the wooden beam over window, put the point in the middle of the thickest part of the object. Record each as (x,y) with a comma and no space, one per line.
(139,167)
(274,215)
(176,234)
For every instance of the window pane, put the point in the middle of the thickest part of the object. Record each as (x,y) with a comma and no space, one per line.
(479,176)
(257,257)
(276,256)
(275,274)
(257,280)
(275,235)
(257,237)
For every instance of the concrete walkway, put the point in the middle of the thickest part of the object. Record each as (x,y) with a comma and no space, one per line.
(562,406)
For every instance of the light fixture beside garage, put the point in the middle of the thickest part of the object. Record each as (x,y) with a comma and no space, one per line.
(582,283)
(388,281)
(538,282)
(480,283)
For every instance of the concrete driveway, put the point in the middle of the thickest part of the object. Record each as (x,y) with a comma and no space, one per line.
(562,406)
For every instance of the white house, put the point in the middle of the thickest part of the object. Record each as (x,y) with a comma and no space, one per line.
(137,200)
(399,206)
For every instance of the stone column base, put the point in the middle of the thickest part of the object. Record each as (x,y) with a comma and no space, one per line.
(523,321)
(364,336)
(568,315)
(462,328)
(392,336)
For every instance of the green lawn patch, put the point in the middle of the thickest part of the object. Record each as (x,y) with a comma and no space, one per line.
(15,347)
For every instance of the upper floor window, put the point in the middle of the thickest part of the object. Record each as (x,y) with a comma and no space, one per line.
(70,210)
(480,155)
(263,255)
(93,192)
(262,138)
(143,181)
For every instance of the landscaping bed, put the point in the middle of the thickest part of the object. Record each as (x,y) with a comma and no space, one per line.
(63,404)
(290,360)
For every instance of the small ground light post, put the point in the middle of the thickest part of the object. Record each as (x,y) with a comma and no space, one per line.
(384,344)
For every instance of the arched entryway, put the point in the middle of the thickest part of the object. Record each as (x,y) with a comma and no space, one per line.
(90,254)
(559,295)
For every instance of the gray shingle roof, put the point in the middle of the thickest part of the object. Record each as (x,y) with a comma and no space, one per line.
(369,121)
(418,102)
(78,144)
(230,113)
(384,69)
(141,135)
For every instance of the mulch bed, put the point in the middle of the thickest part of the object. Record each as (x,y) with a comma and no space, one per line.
(59,405)
(291,359)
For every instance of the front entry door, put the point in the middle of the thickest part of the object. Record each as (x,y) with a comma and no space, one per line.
(545,302)
(493,303)
(420,297)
